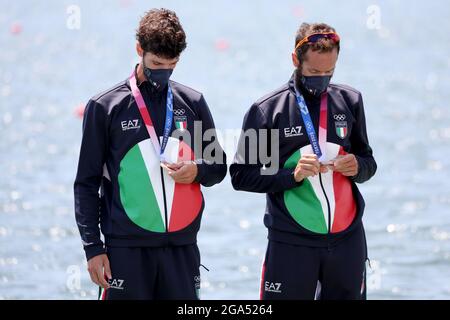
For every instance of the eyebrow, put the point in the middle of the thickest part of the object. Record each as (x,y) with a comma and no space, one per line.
(160,62)
(315,70)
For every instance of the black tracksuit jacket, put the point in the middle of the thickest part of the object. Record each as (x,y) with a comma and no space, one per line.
(320,210)
(139,205)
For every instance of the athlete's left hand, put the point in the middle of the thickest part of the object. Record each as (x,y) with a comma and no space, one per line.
(182,172)
(347,165)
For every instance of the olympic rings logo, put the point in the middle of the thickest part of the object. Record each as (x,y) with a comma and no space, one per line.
(339,117)
(178,112)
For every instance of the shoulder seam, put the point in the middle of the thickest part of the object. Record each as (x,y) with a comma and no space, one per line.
(264,99)
(345,87)
(102,94)
(183,85)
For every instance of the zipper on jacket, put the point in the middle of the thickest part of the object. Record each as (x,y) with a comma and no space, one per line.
(328,203)
(164,195)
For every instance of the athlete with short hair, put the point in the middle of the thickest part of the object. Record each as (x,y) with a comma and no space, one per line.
(317,247)
(138,148)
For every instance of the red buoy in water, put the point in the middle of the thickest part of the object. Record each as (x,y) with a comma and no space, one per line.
(16,28)
(79,110)
(222,45)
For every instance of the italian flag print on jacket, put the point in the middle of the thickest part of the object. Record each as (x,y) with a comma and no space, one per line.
(140,174)
(322,203)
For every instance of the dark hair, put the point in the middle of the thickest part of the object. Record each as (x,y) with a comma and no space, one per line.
(323,45)
(160,32)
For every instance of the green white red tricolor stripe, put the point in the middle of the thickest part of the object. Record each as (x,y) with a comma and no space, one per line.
(308,203)
(182,125)
(142,192)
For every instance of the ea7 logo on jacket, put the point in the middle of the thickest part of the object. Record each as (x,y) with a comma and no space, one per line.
(272,287)
(293,131)
(130,124)
(116,284)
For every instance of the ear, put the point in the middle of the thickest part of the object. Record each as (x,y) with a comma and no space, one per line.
(139,50)
(295,60)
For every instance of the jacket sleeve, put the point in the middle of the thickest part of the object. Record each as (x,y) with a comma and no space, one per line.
(88,178)
(247,176)
(360,146)
(212,165)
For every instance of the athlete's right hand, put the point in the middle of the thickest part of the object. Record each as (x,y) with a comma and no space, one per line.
(99,268)
(307,166)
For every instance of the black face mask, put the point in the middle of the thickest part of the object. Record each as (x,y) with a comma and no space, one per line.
(315,85)
(158,78)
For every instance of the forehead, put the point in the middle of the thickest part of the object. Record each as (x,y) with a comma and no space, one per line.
(155,58)
(321,61)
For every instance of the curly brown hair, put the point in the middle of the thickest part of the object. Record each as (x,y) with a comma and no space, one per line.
(323,45)
(160,32)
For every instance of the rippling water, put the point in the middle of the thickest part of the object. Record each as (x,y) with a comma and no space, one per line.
(236,53)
